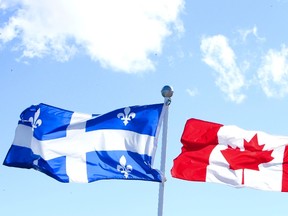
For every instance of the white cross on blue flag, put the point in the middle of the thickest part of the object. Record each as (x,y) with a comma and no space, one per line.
(74,147)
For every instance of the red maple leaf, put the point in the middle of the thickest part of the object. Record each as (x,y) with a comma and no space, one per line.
(250,158)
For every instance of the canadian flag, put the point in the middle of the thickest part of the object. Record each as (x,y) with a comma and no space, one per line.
(212,152)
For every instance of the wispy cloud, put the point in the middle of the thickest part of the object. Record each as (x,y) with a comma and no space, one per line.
(218,55)
(244,33)
(273,73)
(118,34)
(2,5)
(270,68)
(192,92)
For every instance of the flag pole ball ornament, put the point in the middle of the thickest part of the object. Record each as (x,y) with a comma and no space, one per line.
(167,91)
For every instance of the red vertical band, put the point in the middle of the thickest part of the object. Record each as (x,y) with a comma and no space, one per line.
(199,138)
(285,171)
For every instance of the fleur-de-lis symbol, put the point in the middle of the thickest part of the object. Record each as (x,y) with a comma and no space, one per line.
(123,168)
(36,122)
(126,116)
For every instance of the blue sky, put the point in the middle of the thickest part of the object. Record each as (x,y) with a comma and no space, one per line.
(226,60)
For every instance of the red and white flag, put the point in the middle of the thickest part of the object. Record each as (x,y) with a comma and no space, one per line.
(229,155)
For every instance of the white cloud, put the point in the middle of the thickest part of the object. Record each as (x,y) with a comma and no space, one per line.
(192,92)
(118,34)
(253,31)
(273,73)
(2,5)
(218,55)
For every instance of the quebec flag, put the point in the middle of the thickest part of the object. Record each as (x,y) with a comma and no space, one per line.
(74,147)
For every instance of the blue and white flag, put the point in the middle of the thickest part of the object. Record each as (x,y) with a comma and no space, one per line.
(75,147)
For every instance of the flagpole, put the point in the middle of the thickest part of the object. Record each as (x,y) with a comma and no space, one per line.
(167,93)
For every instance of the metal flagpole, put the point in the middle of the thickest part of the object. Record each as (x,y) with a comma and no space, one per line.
(167,93)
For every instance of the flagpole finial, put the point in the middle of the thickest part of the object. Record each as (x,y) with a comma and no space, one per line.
(167,93)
